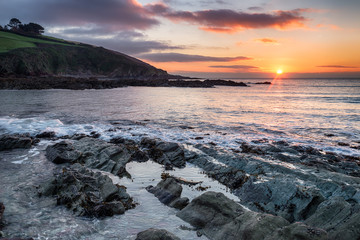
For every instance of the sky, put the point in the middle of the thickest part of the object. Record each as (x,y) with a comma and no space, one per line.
(210,38)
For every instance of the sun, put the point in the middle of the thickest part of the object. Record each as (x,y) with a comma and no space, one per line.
(279,71)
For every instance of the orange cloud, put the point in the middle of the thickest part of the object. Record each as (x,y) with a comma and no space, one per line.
(229,21)
(267,40)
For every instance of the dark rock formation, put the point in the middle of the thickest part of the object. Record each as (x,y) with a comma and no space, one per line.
(221,218)
(2,209)
(46,135)
(166,153)
(340,218)
(87,193)
(57,82)
(8,142)
(220,82)
(91,152)
(156,234)
(136,154)
(282,198)
(168,191)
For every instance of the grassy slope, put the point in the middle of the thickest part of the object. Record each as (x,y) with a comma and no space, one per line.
(10,41)
(42,55)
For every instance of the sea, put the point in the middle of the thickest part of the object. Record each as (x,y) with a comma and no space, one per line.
(322,113)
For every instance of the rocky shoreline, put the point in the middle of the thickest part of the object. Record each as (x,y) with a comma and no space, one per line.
(284,191)
(73,83)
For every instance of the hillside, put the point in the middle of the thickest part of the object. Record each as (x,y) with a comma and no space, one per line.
(40,55)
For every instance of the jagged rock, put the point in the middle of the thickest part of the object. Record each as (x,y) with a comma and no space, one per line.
(62,152)
(221,218)
(46,135)
(340,218)
(136,154)
(87,193)
(8,142)
(2,209)
(168,191)
(165,153)
(281,197)
(156,234)
(298,231)
(91,152)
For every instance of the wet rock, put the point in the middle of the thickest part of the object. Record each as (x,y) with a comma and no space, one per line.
(91,152)
(62,152)
(229,176)
(87,193)
(165,153)
(17,239)
(136,154)
(168,191)
(280,197)
(8,142)
(247,148)
(298,231)
(156,234)
(340,218)
(46,135)
(2,209)
(221,218)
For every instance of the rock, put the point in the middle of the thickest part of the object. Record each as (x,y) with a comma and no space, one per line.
(298,231)
(168,191)
(87,193)
(156,234)
(46,135)
(8,142)
(247,148)
(229,176)
(221,218)
(281,197)
(62,152)
(340,218)
(2,209)
(165,153)
(17,239)
(91,152)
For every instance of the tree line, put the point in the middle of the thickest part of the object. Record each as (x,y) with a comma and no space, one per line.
(15,25)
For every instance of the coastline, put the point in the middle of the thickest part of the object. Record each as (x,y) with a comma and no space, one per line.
(298,187)
(73,83)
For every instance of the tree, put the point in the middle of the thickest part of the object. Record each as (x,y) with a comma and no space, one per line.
(33,28)
(14,23)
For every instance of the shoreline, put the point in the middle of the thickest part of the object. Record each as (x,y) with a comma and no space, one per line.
(73,83)
(283,182)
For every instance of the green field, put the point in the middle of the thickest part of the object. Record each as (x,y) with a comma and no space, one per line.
(10,41)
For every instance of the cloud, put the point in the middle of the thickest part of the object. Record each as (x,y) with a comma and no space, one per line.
(255,8)
(114,14)
(129,42)
(227,20)
(336,66)
(247,67)
(267,40)
(179,57)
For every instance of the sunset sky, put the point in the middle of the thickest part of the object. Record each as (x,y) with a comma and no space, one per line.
(211,38)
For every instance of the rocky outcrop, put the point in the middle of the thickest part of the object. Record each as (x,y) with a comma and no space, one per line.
(221,218)
(93,153)
(168,191)
(156,234)
(8,142)
(87,193)
(2,209)
(166,153)
(339,217)
(282,198)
